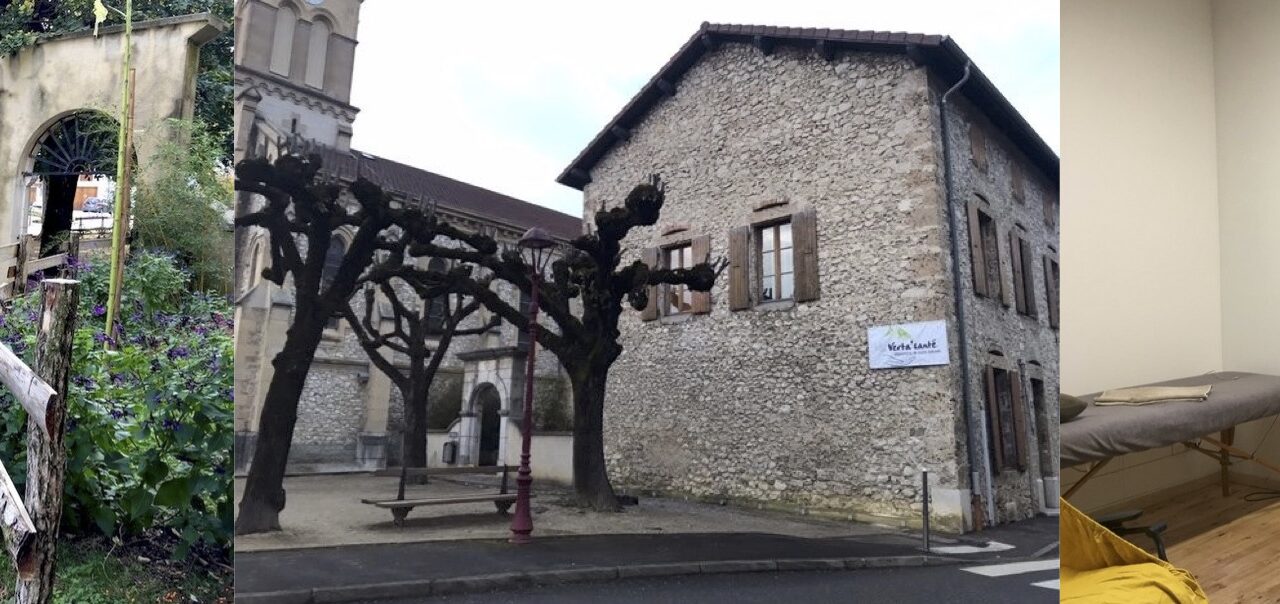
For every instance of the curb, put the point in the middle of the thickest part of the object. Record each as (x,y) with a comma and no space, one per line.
(592,574)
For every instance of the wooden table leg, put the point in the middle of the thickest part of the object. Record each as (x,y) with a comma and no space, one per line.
(1083,479)
(1224,459)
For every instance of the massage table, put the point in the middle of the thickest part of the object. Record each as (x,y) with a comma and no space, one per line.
(1102,433)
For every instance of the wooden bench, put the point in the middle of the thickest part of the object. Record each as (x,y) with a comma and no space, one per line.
(400,506)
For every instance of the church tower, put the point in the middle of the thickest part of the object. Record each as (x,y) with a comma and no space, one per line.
(294,60)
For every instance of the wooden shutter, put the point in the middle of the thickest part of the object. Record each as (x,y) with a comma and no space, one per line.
(1051,288)
(739,257)
(993,420)
(976,258)
(978,147)
(1019,419)
(804,233)
(1015,255)
(701,301)
(650,256)
(1028,275)
(1019,192)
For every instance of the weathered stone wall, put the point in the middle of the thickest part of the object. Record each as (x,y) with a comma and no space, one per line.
(993,326)
(777,406)
(330,415)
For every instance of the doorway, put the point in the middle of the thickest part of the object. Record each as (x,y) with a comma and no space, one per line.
(488,404)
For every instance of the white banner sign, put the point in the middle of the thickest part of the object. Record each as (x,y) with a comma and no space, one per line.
(908,345)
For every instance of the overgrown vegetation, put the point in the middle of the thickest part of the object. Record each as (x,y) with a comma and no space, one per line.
(97,570)
(149,431)
(184,204)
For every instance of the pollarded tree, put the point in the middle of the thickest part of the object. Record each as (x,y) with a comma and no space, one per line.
(585,339)
(303,214)
(411,334)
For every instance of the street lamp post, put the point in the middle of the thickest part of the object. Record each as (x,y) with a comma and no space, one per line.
(535,249)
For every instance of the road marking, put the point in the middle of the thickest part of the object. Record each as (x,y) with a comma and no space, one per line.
(1013,568)
(993,546)
(1048,584)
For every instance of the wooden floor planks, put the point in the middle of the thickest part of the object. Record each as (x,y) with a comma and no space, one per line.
(1232,546)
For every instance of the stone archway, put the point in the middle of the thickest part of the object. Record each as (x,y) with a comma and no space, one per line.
(482,429)
(70,73)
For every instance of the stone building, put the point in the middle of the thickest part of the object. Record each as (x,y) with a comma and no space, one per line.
(294,64)
(816,162)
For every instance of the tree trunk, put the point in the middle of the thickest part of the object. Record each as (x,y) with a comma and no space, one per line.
(415,418)
(590,477)
(264,488)
(47,454)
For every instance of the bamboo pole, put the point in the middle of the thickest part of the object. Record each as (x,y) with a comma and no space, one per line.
(121,220)
(47,453)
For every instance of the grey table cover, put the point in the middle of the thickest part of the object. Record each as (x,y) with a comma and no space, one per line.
(1110,431)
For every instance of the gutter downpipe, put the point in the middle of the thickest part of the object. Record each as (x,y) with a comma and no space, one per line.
(961,325)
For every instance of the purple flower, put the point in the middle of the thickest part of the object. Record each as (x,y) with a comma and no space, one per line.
(179,352)
(215,364)
(99,310)
(170,424)
(100,337)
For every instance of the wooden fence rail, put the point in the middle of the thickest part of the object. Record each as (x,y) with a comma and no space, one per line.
(20,260)
(31,521)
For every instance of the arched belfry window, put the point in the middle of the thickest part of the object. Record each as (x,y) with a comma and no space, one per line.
(436,307)
(282,43)
(317,53)
(333,262)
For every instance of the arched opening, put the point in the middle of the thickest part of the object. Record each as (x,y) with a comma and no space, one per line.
(317,53)
(436,308)
(486,403)
(282,42)
(71,182)
(332,263)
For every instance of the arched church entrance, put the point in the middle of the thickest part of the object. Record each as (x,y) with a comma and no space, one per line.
(487,405)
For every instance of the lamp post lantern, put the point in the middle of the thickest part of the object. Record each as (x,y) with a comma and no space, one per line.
(535,248)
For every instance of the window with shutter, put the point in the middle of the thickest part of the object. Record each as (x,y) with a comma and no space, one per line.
(1023,275)
(984,246)
(1006,419)
(1051,280)
(701,254)
(1019,413)
(804,228)
(676,298)
(978,147)
(739,260)
(1050,208)
(652,258)
(1019,194)
(995,448)
(776,260)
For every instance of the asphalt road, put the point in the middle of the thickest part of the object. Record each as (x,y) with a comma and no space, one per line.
(924,585)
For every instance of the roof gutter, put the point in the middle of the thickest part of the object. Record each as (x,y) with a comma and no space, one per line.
(962,330)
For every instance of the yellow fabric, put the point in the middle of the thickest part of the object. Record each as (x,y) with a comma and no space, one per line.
(1098,567)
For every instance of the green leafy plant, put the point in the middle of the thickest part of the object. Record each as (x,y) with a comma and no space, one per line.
(184,203)
(149,426)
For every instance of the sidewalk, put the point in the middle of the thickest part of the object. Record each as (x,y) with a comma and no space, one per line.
(371,572)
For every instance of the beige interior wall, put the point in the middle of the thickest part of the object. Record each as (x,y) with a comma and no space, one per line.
(1247,69)
(1141,270)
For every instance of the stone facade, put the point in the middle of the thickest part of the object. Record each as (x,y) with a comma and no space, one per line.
(775,405)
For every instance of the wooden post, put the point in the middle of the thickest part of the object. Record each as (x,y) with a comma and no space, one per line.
(20,270)
(73,254)
(46,453)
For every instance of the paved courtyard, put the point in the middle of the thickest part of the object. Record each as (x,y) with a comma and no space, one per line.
(325,510)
